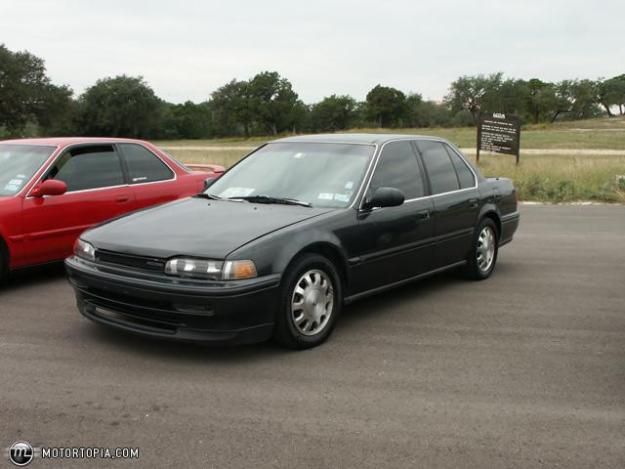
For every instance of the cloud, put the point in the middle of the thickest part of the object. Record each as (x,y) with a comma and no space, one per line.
(186,49)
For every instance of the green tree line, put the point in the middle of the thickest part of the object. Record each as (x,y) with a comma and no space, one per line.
(30,105)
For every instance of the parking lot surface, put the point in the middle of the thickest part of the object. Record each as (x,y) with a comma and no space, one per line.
(524,370)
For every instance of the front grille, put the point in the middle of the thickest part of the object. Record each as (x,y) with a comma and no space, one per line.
(129,260)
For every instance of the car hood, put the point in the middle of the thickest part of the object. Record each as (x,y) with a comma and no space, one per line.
(195,227)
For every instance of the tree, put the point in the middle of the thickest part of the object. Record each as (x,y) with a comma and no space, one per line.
(120,107)
(576,98)
(475,94)
(426,113)
(188,121)
(334,113)
(56,111)
(513,99)
(274,104)
(301,117)
(611,92)
(232,111)
(414,108)
(386,106)
(26,94)
(541,99)
(621,93)
(584,95)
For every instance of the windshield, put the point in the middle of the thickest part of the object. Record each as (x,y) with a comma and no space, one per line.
(319,174)
(18,163)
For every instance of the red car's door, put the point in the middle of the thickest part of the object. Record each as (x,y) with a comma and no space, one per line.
(151,179)
(97,191)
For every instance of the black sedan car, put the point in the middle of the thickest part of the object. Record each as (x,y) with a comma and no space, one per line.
(291,233)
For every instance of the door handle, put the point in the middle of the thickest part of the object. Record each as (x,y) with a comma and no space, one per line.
(122,199)
(423,215)
(473,203)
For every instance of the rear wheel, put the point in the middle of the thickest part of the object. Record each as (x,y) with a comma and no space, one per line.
(310,303)
(483,256)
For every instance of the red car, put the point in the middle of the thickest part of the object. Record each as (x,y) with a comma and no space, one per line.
(53,189)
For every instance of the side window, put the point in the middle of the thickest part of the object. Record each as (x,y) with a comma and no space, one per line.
(143,165)
(465,176)
(438,165)
(398,168)
(89,167)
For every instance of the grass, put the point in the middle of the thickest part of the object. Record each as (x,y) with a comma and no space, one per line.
(539,177)
(560,178)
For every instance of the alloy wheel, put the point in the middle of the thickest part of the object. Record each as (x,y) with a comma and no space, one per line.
(485,249)
(312,302)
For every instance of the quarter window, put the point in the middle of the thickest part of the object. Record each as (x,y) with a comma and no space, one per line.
(398,168)
(465,176)
(439,167)
(143,165)
(90,167)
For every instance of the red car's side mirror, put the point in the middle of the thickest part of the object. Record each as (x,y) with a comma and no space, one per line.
(49,187)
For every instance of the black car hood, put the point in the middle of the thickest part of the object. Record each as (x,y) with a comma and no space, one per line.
(196,227)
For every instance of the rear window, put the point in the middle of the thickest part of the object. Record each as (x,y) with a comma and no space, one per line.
(465,176)
(439,167)
(143,165)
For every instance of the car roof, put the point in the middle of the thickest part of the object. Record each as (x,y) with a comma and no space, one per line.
(354,138)
(65,141)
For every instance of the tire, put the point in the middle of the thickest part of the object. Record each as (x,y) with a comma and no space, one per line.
(482,260)
(4,263)
(310,303)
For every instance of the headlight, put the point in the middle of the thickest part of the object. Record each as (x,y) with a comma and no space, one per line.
(210,269)
(84,250)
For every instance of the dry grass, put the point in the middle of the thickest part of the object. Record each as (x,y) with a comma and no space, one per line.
(556,178)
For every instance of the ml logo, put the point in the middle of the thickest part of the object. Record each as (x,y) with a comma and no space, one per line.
(21,453)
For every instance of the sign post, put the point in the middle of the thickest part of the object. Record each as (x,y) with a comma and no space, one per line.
(499,133)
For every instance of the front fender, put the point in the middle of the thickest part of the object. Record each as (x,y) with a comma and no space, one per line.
(274,253)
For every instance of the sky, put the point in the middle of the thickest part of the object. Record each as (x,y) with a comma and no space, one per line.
(186,49)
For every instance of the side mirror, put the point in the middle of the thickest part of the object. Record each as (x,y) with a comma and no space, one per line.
(385,197)
(49,187)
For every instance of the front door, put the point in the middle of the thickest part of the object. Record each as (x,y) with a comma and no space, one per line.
(97,191)
(394,243)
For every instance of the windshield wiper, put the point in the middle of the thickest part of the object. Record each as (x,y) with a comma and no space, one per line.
(265,199)
(204,195)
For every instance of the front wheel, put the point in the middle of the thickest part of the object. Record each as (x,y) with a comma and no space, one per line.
(311,302)
(483,256)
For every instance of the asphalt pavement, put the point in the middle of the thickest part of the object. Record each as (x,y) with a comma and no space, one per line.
(524,370)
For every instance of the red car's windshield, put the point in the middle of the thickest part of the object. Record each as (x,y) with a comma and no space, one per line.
(18,163)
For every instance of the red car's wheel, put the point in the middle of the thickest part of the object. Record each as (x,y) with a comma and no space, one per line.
(4,262)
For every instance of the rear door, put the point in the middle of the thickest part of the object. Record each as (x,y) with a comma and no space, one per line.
(456,201)
(394,243)
(152,181)
(97,191)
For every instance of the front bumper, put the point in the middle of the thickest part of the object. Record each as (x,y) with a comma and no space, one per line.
(169,308)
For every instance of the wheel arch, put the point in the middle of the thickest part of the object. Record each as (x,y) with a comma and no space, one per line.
(493,214)
(330,251)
